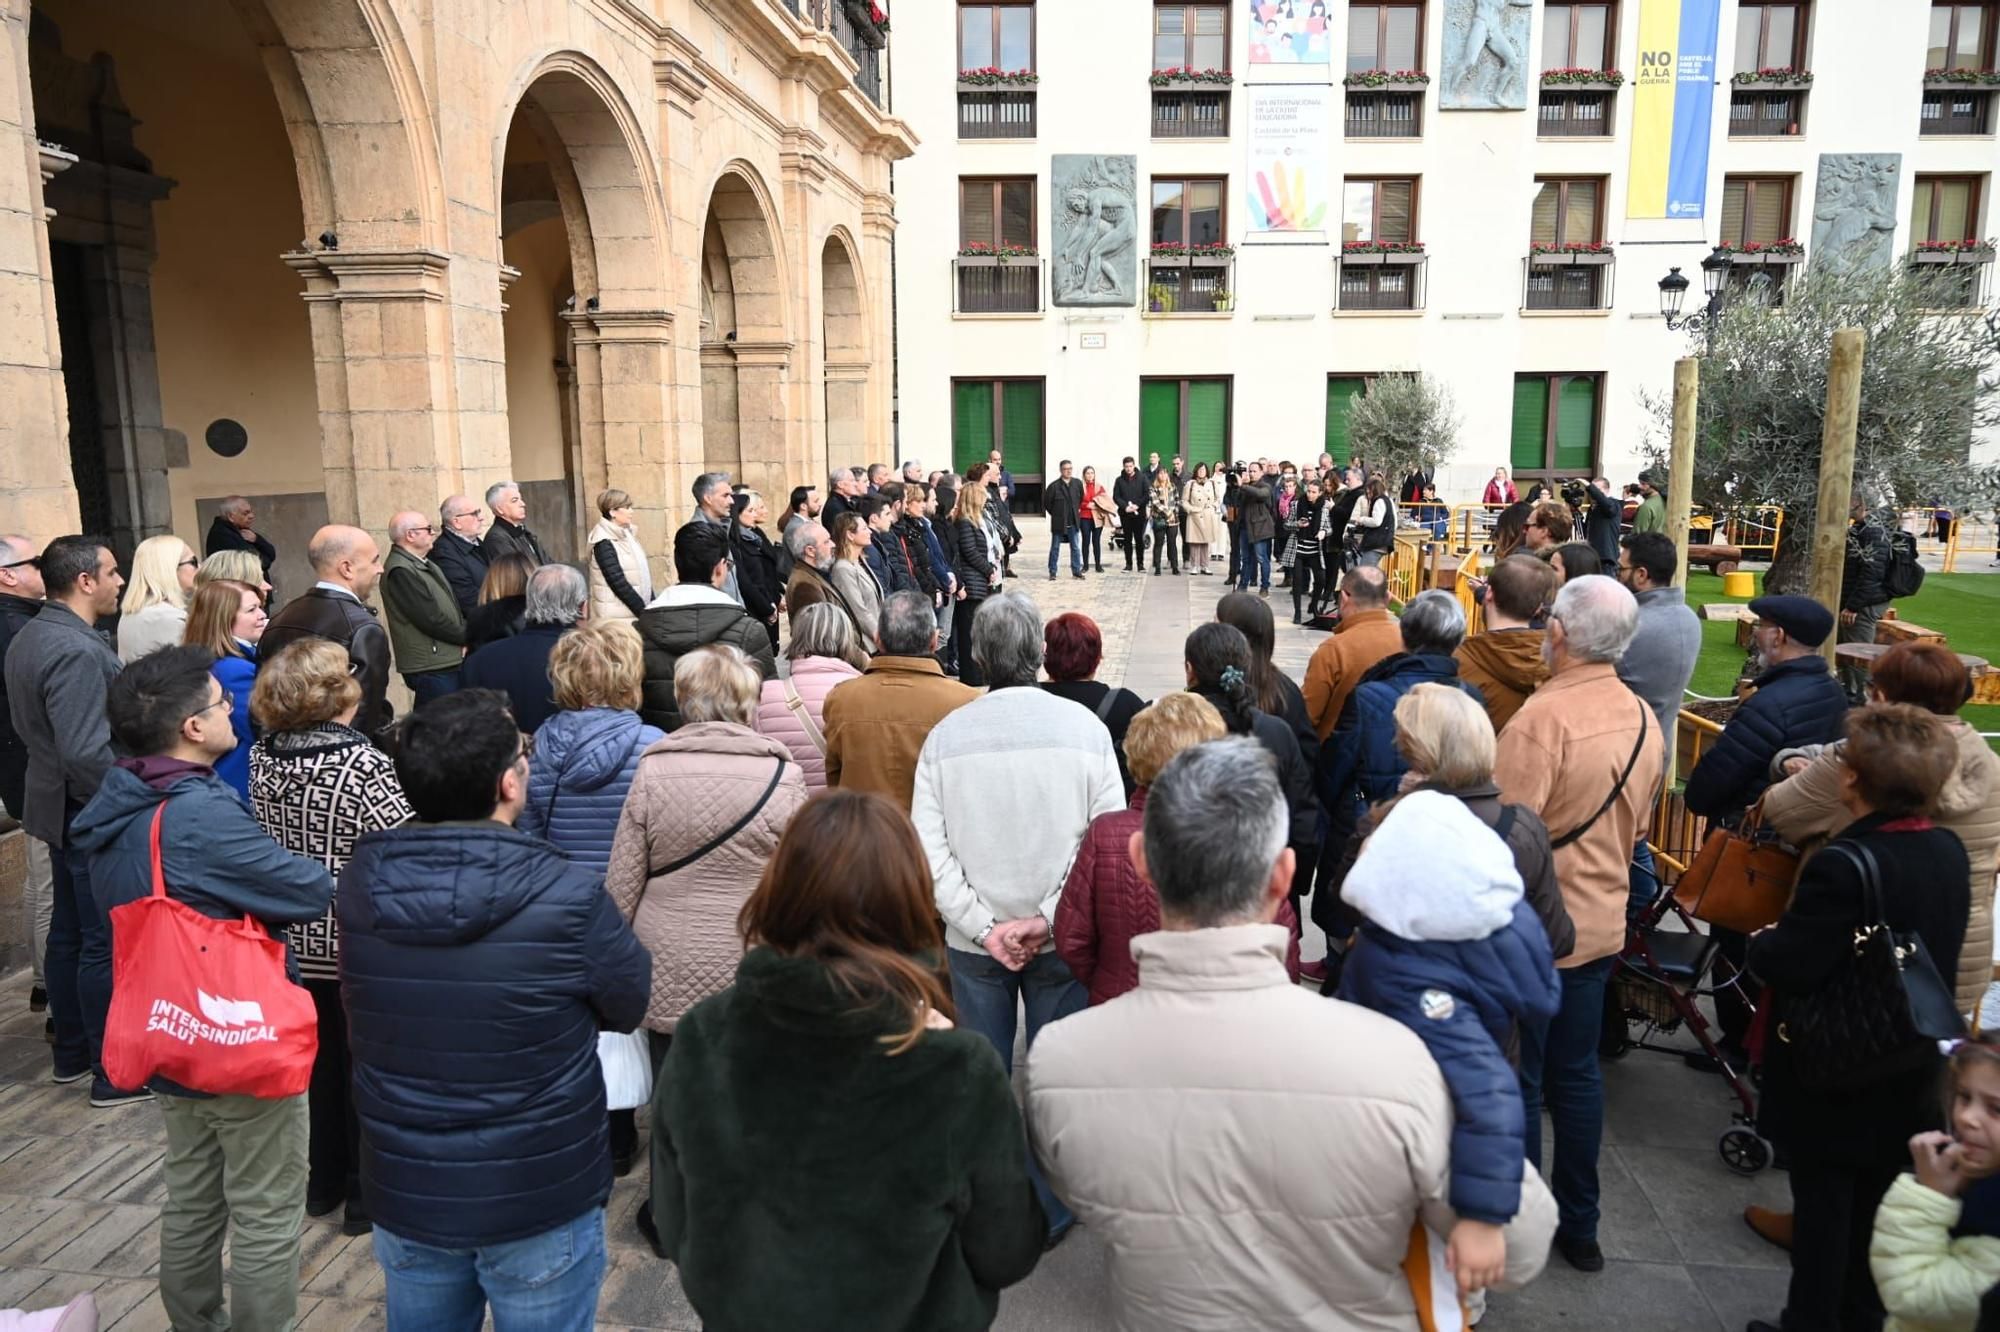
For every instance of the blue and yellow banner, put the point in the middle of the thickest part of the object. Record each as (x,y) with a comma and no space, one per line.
(1673,100)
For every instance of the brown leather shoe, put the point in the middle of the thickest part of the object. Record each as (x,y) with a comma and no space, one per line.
(1773,1227)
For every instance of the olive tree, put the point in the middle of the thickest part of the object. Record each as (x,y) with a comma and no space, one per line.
(1929,381)
(1404,423)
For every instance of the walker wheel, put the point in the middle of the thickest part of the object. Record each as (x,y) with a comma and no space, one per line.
(1743,1151)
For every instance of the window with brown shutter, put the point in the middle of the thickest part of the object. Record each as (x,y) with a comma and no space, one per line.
(996,210)
(1568,211)
(1756,210)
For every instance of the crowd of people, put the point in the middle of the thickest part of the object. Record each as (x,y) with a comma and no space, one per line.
(807,833)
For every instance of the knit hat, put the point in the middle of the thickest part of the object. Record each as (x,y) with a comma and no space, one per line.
(1434,872)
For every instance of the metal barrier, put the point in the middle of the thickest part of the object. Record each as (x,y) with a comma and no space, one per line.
(1404,566)
(1676,834)
(1469,528)
(1468,599)
(1755,531)
(1971,535)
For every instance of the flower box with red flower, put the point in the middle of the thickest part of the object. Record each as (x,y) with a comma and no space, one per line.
(1579,79)
(1753,253)
(1382,252)
(993,79)
(1971,250)
(1184,79)
(1550,254)
(1387,78)
(1949,80)
(978,254)
(1771,78)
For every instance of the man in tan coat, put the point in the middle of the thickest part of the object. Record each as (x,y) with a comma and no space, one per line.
(1584,754)
(876,725)
(1155,1114)
(1366,635)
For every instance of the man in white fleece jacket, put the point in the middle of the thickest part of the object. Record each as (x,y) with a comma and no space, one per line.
(1005,788)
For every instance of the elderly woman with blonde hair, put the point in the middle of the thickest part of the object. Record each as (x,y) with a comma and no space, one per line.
(822,654)
(154,612)
(707,807)
(236,566)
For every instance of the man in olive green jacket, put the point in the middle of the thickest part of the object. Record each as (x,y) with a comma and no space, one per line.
(426,630)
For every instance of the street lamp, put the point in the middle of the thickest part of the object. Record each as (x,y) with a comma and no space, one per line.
(1714,281)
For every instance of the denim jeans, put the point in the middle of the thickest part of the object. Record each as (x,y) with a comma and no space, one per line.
(1074,540)
(1256,560)
(1559,1065)
(432,684)
(1643,887)
(77,969)
(989,997)
(544,1283)
(1093,545)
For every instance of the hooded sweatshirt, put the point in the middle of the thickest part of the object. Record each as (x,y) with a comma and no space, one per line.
(1451,948)
(1505,666)
(583,769)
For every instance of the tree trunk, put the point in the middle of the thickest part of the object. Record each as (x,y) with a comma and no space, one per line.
(1791,568)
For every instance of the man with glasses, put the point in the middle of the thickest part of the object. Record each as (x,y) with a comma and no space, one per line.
(58,669)
(234,1163)
(426,628)
(20,602)
(1548,527)
(233,529)
(459,551)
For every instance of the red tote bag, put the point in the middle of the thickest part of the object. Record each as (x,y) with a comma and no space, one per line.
(202,1001)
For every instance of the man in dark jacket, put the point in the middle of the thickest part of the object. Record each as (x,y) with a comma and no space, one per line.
(518,666)
(426,628)
(811,550)
(1602,522)
(895,563)
(1259,522)
(58,668)
(1128,497)
(694,613)
(1796,703)
(171,714)
(1062,501)
(509,534)
(478,966)
(460,552)
(1863,598)
(336,608)
(234,528)
(20,602)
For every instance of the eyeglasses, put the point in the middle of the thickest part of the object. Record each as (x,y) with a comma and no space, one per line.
(32,562)
(226,703)
(469,513)
(189,563)
(424,531)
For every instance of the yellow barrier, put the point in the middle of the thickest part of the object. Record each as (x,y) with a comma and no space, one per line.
(1971,536)
(1755,531)
(1676,835)
(1469,528)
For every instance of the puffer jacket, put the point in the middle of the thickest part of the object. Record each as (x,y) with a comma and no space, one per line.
(1806,810)
(1505,666)
(583,766)
(1360,763)
(1106,904)
(691,787)
(1930,1278)
(621,582)
(1798,702)
(681,619)
(477,966)
(1451,948)
(813,678)
(972,558)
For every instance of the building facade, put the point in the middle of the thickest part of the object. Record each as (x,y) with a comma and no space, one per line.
(1321,191)
(347,257)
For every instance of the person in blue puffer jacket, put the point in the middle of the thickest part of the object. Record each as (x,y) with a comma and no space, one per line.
(1450,947)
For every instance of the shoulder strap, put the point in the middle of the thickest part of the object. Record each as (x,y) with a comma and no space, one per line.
(1645,723)
(1105,704)
(1863,860)
(1505,823)
(733,828)
(799,708)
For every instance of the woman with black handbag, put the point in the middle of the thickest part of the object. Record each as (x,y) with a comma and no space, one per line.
(1858,1002)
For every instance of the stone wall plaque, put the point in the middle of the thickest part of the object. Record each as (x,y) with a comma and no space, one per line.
(1854,211)
(1095,227)
(1486,55)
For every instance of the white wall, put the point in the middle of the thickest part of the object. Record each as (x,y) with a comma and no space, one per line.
(1477,171)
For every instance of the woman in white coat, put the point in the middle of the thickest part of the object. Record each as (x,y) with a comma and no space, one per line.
(621,581)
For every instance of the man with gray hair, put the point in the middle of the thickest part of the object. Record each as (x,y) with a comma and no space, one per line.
(348,564)
(460,552)
(876,725)
(234,529)
(509,534)
(1005,788)
(842,489)
(913,472)
(714,504)
(1155,1113)
(1584,754)
(426,628)
(558,600)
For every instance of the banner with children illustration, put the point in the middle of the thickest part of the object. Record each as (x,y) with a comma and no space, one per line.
(1290,155)
(1290,32)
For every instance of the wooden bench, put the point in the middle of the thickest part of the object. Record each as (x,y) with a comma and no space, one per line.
(1890,629)
(1985,680)
(1718,558)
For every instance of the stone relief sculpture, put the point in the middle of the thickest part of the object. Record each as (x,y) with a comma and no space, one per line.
(1485,55)
(1854,210)
(1095,225)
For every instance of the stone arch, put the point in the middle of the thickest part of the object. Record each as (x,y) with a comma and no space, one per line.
(742,227)
(746,341)
(844,349)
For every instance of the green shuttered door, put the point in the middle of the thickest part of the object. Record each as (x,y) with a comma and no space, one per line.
(1576,427)
(1340,394)
(1207,422)
(1531,423)
(1021,426)
(1159,417)
(971,423)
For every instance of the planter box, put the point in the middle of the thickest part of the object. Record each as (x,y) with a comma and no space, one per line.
(965,86)
(1565,260)
(1190,260)
(1959,85)
(1405,258)
(994,260)
(1754,260)
(1770,85)
(1190,85)
(1980,256)
(1593,86)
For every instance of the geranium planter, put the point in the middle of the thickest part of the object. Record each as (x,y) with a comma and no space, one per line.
(1568,258)
(1978,255)
(1404,257)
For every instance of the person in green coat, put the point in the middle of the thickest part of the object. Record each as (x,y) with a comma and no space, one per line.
(1652,512)
(828,1150)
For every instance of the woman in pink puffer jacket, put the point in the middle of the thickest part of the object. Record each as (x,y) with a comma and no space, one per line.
(822,653)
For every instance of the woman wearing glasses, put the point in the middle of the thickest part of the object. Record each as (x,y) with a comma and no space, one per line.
(154,612)
(228,619)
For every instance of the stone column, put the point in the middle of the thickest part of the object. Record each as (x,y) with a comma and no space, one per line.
(37,497)
(380,329)
(878,234)
(774,457)
(624,365)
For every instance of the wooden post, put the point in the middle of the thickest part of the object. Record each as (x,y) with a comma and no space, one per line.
(1680,466)
(1836,472)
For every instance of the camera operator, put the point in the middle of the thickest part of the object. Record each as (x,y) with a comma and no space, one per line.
(1603,515)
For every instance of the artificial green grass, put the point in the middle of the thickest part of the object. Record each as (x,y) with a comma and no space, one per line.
(1964,607)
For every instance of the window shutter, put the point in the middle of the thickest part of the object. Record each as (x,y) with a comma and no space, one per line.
(1767,212)
(1543,227)
(975,212)
(1734,193)
(1341,390)
(1362,26)
(1555,37)
(1017,213)
(971,423)
(1531,422)
(1397,220)
(1580,214)
(1402,50)
(1021,426)
(1207,422)
(1954,219)
(1159,417)
(1576,426)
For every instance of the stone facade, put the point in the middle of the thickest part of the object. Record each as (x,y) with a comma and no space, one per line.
(718,170)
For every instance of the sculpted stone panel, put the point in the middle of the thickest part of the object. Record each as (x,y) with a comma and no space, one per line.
(1854,210)
(1486,54)
(1095,203)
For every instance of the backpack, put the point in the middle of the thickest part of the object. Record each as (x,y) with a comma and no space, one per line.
(1903,575)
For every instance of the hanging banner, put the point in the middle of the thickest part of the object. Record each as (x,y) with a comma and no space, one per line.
(1290,32)
(1290,155)
(1673,96)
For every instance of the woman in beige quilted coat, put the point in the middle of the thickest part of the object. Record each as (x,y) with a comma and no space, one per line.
(1805,808)
(706,810)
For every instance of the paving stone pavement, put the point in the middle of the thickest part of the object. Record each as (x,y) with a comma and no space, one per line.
(80,1188)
